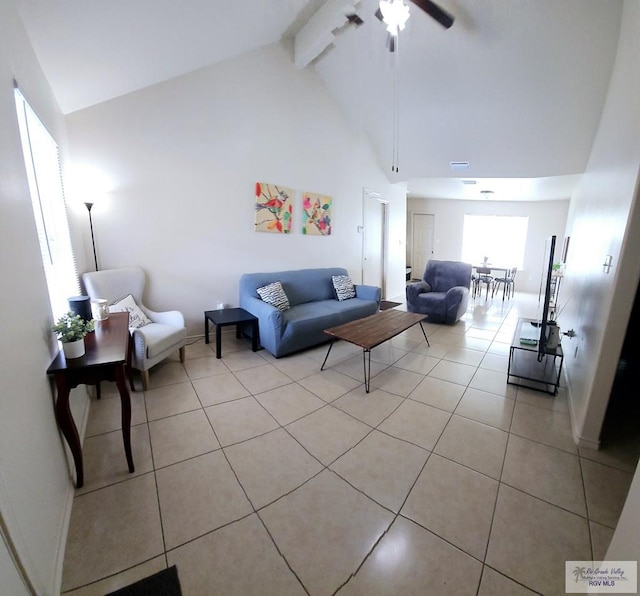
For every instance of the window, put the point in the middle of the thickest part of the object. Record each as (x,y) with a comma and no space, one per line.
(42,161)
(500,238)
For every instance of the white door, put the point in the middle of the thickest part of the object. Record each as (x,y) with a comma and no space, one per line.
(421,243)
(374,241)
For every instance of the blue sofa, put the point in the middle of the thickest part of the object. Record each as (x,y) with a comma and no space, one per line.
(314,307)
(443,294)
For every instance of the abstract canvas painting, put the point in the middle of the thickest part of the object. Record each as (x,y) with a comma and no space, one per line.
(316,214)
(274,208)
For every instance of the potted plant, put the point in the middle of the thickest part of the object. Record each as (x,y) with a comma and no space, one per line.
(71,330)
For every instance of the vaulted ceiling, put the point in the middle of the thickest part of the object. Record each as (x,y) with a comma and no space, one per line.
(515,87)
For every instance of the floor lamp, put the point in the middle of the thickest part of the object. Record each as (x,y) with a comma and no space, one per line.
(93,242)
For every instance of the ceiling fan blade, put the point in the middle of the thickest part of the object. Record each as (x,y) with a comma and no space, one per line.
(391,42)
(435,12)
(378,14)
(354,19)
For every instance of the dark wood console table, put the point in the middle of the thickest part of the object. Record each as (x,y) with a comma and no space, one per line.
(107,350)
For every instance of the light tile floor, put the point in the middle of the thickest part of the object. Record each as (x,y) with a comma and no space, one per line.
(264,476)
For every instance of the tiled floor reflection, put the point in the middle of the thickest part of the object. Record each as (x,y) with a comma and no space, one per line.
(263,476)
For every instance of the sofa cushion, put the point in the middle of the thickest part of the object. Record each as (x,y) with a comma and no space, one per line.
(343,286)
(303,285)
(355,308)
(275,295)
(309,317)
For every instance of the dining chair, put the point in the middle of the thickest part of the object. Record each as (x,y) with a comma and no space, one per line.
(509,281)
(483,277)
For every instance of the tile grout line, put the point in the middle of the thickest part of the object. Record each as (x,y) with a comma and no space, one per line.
(155,480)
(587,508)
(255,511)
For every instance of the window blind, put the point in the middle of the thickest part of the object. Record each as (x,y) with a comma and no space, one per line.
(44,173)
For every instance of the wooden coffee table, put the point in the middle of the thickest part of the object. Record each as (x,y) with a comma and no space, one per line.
(372,331)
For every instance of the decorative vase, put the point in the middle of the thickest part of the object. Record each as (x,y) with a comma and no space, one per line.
(100,309)
(73,349)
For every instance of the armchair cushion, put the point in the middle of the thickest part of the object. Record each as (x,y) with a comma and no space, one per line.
(416,288)
(137,318)
(443,294)
(157,338)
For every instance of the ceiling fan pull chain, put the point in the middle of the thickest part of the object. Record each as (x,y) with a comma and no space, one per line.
(396,109)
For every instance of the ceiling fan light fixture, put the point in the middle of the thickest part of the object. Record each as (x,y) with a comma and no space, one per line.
(395,14)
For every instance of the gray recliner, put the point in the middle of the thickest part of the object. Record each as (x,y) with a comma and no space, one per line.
(152,343)
(443,294)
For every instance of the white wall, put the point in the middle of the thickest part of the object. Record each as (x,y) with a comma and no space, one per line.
(601,222)
(545,219)
(35,490)
(183,158)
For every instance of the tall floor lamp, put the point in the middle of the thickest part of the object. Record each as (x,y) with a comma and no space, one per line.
(93,242)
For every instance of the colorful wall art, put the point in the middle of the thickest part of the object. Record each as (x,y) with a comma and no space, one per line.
(316,214)
(274,208)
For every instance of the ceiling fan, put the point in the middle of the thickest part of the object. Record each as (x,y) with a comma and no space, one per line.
(395,14)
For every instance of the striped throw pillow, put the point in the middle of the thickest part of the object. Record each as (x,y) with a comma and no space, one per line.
(274,294)
(343,286)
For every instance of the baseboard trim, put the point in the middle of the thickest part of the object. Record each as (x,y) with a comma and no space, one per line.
(579,440)
(588,444)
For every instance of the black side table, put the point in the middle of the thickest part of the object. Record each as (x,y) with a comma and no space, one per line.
(230,316)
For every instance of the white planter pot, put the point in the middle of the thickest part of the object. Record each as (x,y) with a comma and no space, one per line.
(73,349)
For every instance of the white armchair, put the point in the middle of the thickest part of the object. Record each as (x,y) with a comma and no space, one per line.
(152,343)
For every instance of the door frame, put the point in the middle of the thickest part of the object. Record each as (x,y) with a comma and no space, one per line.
(368,194)
(414,274)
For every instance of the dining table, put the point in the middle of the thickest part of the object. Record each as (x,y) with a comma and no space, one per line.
(493,270)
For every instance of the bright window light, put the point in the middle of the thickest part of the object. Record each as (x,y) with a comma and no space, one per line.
(500,238)
(44,173)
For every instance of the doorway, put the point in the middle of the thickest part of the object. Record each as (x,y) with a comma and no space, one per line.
(375,240)
(620,428)
(422,225)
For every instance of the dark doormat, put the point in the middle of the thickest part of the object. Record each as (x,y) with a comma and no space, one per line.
(163,583)
(386,304)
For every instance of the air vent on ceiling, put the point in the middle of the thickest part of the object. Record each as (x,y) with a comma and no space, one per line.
(468,182)
(459,166)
